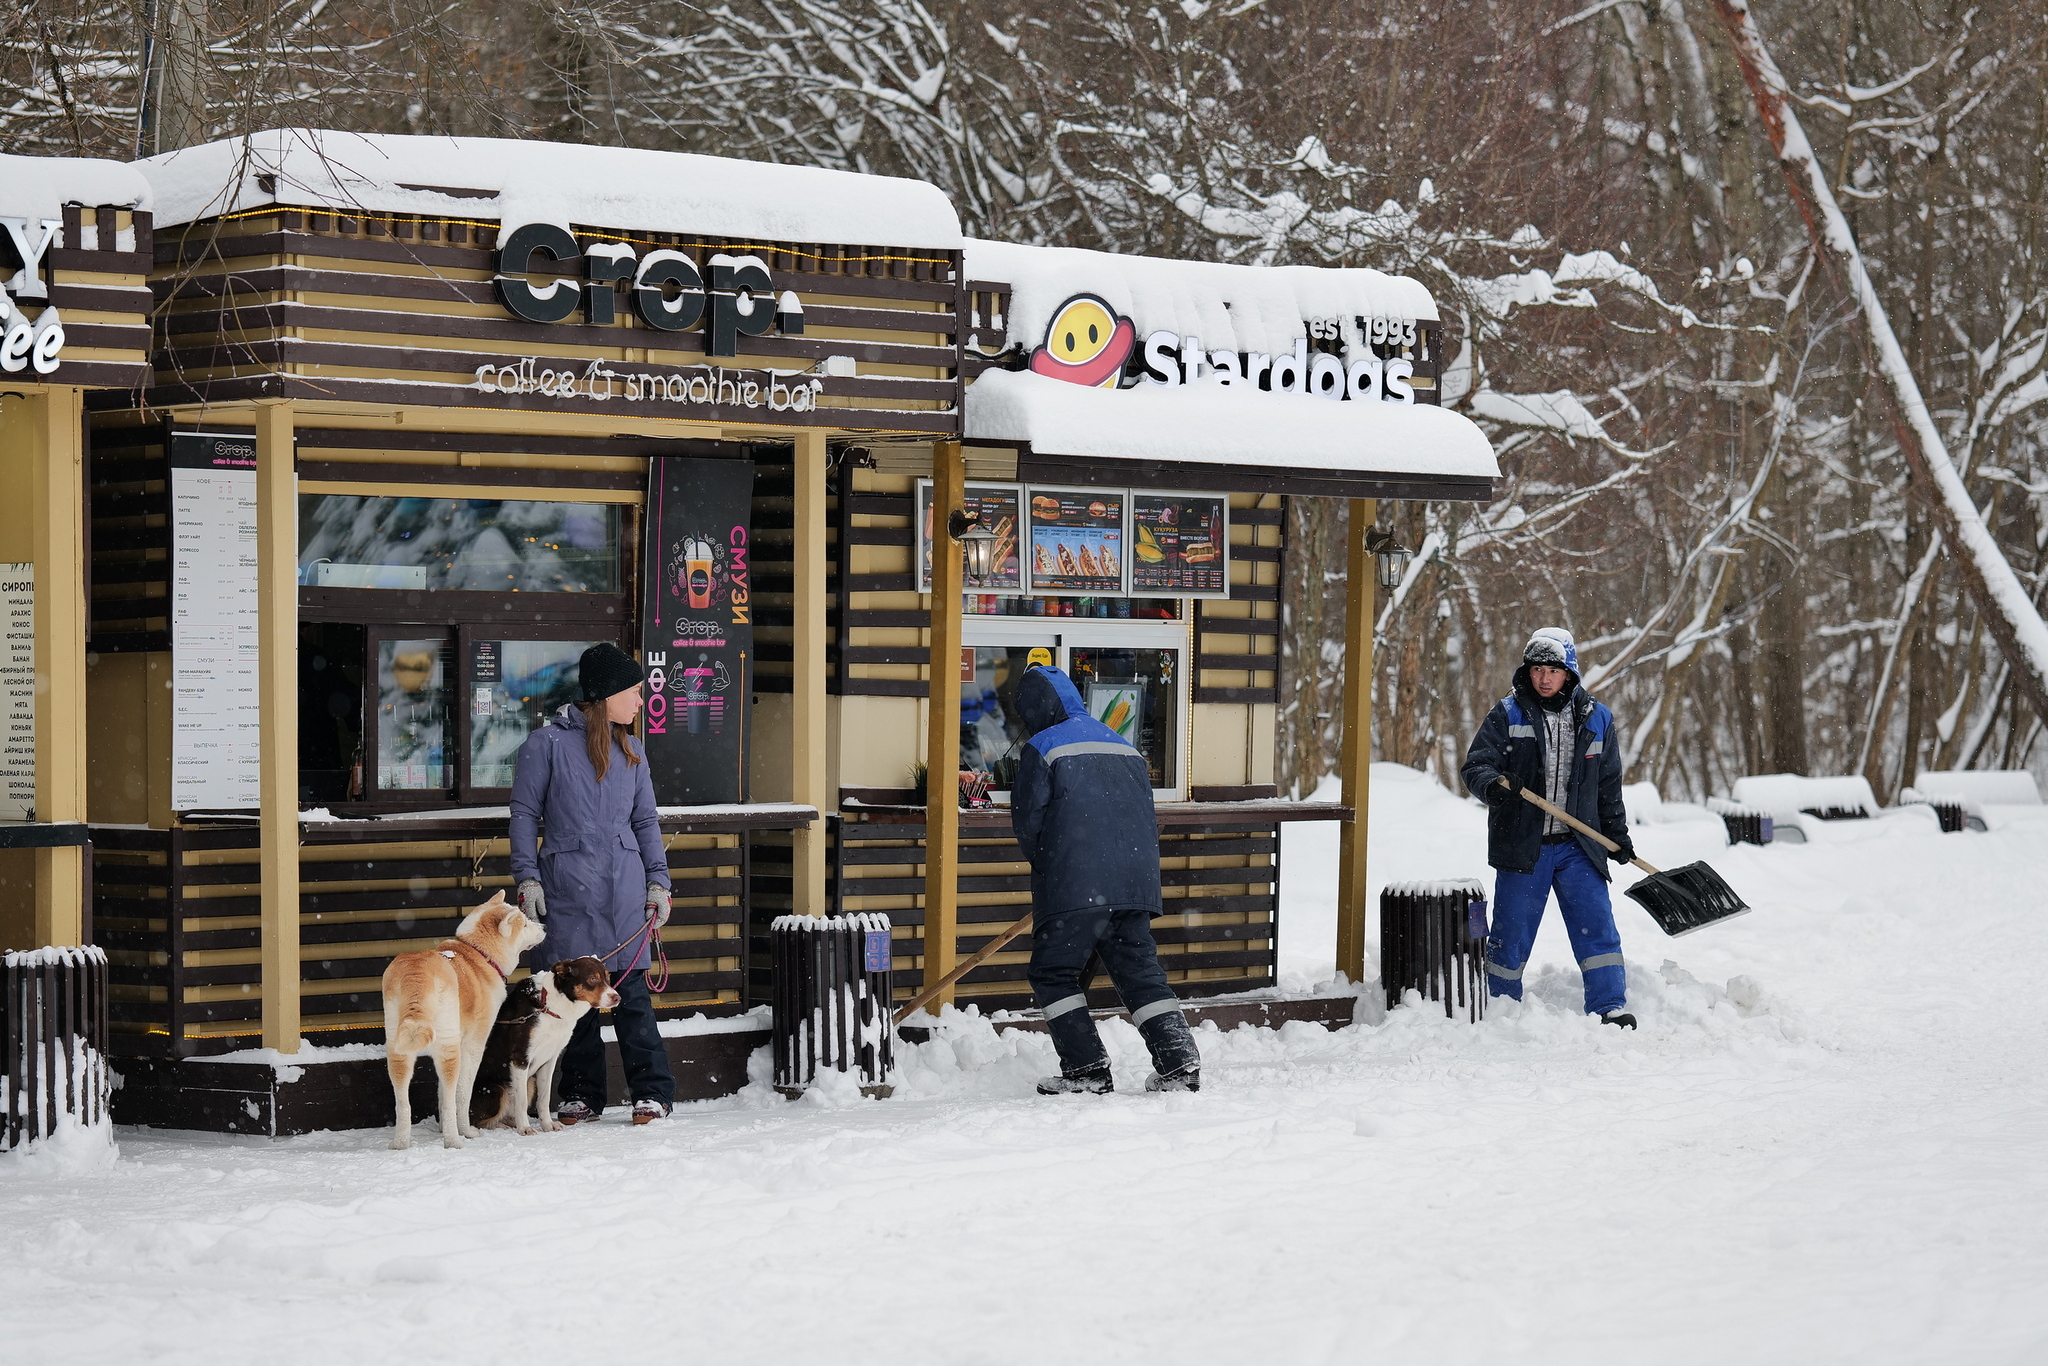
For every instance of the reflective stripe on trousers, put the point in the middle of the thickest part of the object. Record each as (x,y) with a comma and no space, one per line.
(1163,1006)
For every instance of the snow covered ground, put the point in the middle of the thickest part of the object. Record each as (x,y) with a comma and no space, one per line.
(1843,1158)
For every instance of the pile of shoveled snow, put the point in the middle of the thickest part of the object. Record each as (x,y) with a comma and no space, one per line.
(1825,1143)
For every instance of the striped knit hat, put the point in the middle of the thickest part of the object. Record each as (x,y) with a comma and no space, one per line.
(1553,645)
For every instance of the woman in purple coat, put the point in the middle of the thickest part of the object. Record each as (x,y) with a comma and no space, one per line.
(600,876)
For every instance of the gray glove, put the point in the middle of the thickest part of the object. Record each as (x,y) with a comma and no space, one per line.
(657,904)
(533,900)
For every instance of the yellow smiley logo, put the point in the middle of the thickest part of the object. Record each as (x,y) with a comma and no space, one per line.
(1085,343)
(1080,331)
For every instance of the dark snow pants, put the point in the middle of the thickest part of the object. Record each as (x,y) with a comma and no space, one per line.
(1060,949)
(1518,902)
(641,1052)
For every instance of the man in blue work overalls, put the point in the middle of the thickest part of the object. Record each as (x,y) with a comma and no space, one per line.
(1551,737)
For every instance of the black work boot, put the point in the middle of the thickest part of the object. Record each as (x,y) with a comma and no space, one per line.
(1621,1019)
(1176,1062)
(1081,1081)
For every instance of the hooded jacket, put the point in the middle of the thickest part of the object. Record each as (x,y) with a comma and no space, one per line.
(603,842)
(1081,807)
(1511,741)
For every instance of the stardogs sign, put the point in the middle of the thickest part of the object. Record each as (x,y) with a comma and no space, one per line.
(1086,343)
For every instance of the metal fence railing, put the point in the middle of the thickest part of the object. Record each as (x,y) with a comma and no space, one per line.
(53,1041)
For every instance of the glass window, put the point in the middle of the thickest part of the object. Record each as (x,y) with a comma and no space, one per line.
(989,729)
(331,687)
(1136,693)
(464,544)
(514,686)
(412,715)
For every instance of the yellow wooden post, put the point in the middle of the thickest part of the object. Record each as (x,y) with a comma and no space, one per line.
(57,531)
(807,725)
(942,748)
(277,639)
(1355,765)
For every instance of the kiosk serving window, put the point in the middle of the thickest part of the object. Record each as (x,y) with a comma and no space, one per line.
(1132,676)
(438,632)
(1136,693)
(459,544)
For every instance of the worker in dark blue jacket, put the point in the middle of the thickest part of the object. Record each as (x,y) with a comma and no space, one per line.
(1551,737)
(1082,812)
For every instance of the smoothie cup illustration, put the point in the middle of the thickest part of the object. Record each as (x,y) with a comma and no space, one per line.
(697,560)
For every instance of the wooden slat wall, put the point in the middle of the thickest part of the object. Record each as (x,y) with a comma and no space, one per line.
(299,302)
(98,276)
(177,912)
(1220,934)
(880,636)
(129,483)
(774,564)
(1237,641)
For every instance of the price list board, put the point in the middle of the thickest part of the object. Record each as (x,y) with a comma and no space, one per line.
(18,692)
(215,733)
(1180,544)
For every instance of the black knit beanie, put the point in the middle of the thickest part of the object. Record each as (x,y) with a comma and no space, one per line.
(606,669)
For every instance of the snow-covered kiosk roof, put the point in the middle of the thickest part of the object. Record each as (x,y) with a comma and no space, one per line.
(547,182)
(40,187)
(1342,404)
(332,255)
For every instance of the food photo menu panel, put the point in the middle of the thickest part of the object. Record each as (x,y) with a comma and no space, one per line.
(999,505)
(1077,541)
(1180,544)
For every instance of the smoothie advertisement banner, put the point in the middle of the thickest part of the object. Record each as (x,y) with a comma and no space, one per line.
(999,506)
(1180,545)
(1076,541)
(697,629)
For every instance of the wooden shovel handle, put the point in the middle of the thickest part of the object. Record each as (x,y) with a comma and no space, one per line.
(1578,825)
(982,955)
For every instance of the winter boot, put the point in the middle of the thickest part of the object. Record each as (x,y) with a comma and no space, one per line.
(1176,1062)
(1621,1019)
(1187,1079)
(1085,1081)
(574,1112)
(647,1111)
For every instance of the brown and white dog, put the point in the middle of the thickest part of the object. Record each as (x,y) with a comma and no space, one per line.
(534,1025)
(446,999)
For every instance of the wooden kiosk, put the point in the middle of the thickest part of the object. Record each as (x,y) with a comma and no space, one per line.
(425,418)
(1133,429)
(74,259)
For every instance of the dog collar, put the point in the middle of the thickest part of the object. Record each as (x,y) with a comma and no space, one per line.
(485,956)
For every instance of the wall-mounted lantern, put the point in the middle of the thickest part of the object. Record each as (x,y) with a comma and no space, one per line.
(976,540)
(1391,554)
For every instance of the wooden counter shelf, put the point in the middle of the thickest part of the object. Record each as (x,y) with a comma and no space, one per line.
(1170,814)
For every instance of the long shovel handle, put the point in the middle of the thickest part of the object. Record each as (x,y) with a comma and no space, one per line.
(1578,825)
(982,955)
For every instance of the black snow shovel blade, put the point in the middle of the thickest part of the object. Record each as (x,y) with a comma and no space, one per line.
(1682,900)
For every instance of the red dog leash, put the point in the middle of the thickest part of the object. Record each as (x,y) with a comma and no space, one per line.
(660,953)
